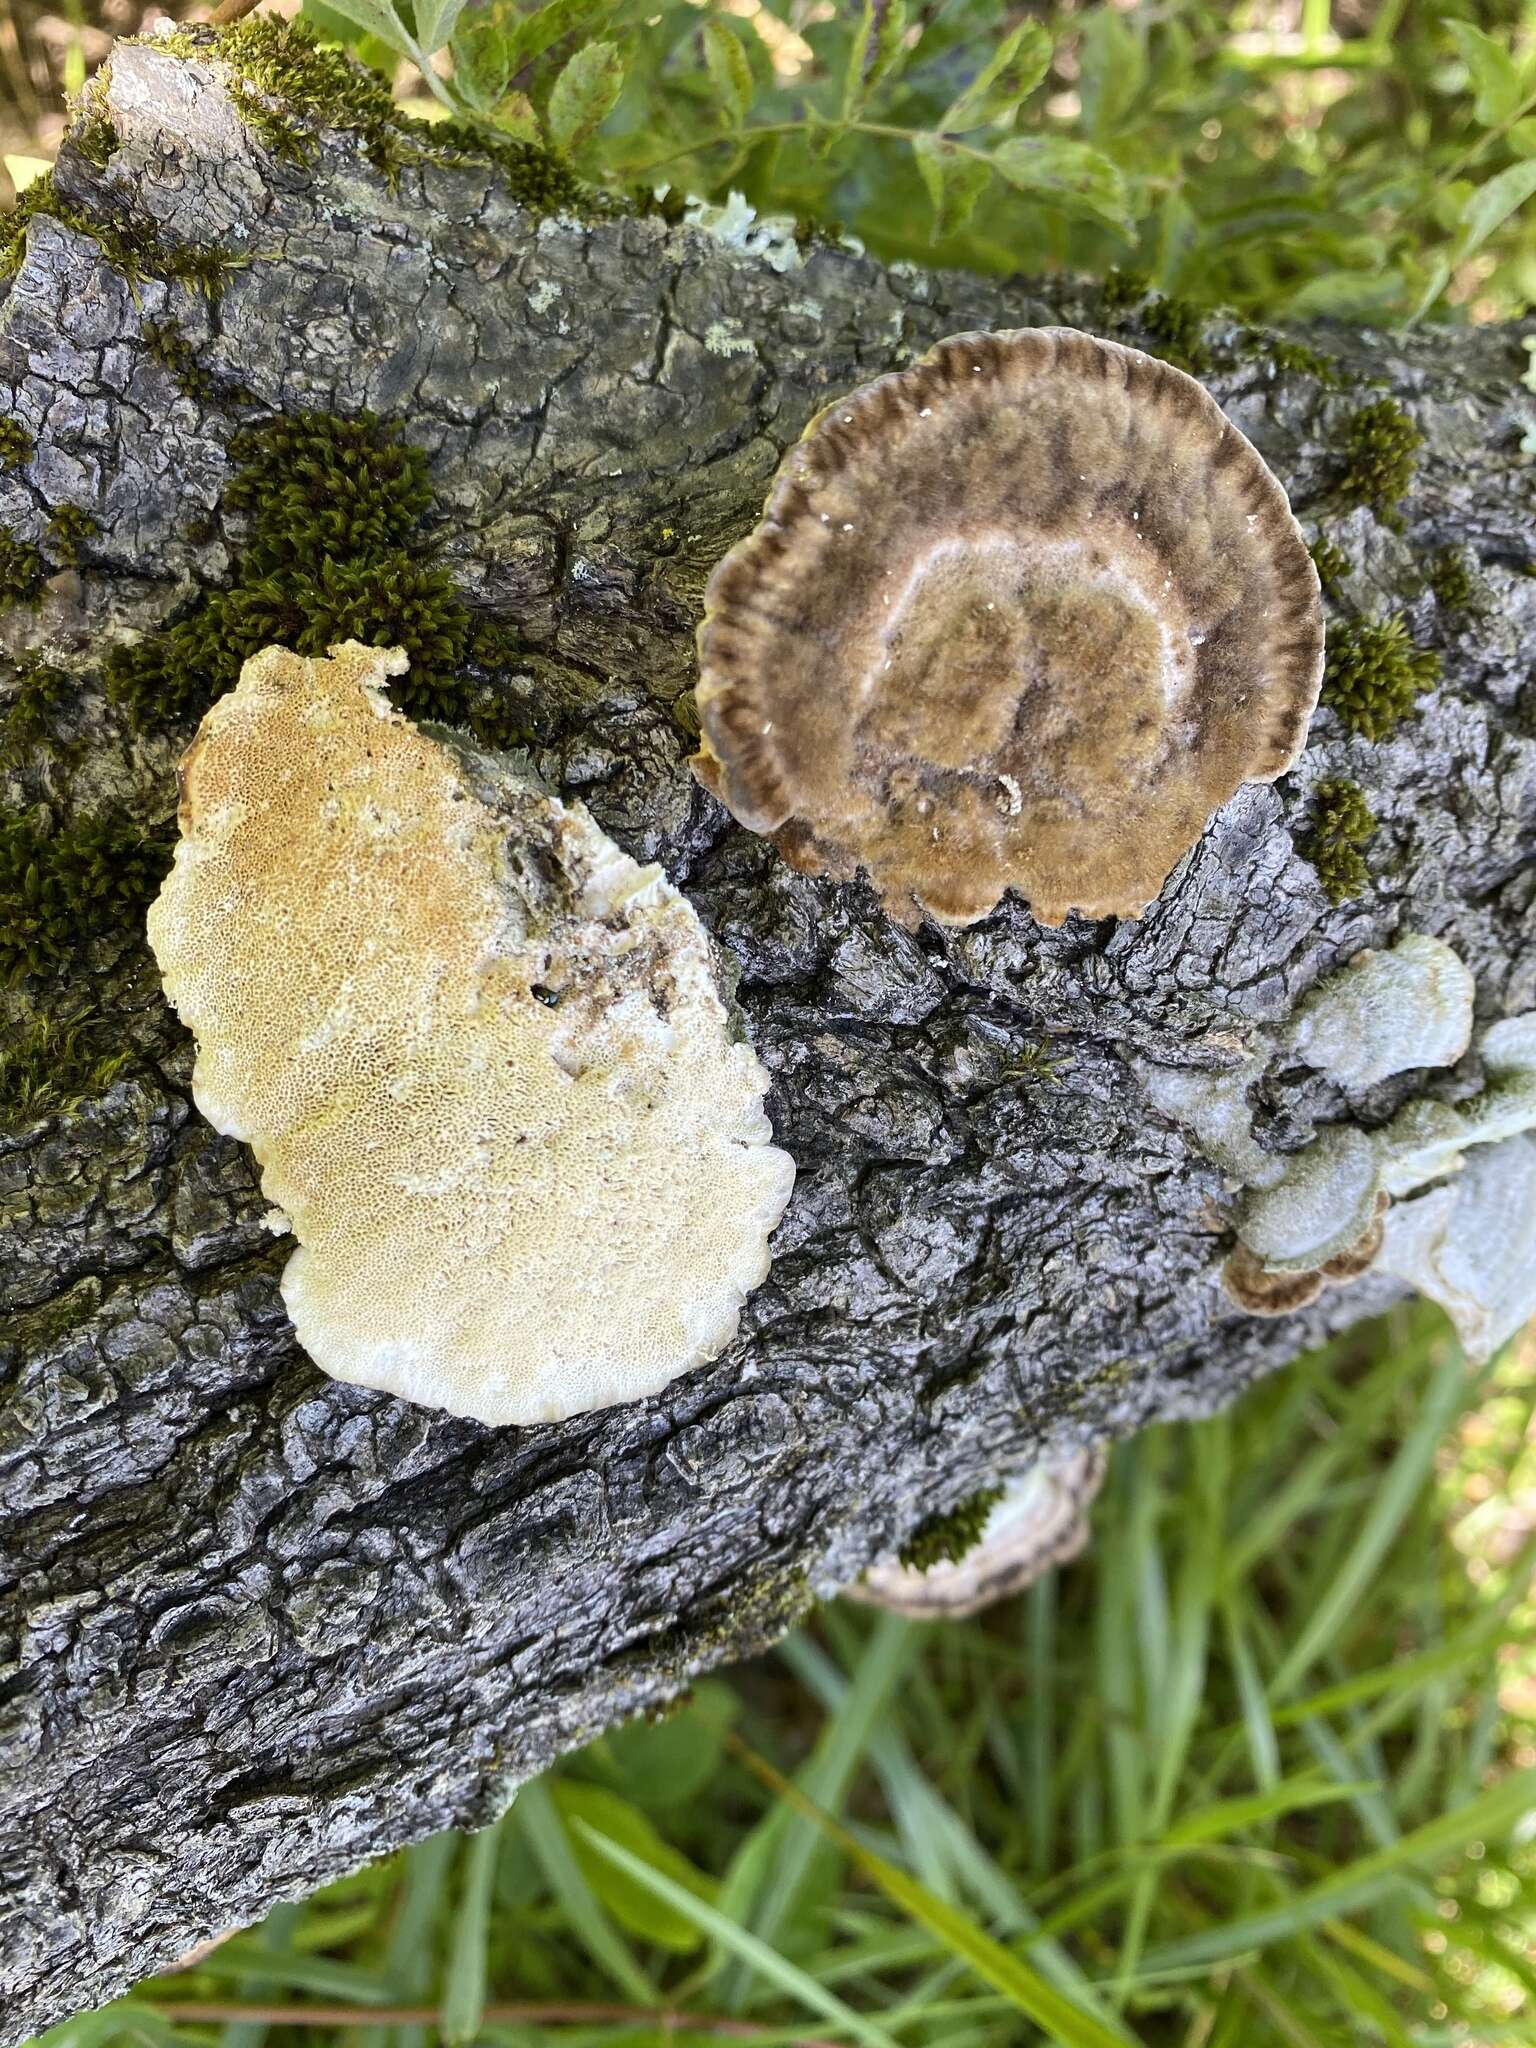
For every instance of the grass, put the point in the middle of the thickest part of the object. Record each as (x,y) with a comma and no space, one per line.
(1258,1771)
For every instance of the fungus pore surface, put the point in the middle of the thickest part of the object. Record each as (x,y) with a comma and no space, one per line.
(1022,616)
(480,1054)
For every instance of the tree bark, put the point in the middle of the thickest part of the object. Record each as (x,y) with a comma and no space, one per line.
(255,1626)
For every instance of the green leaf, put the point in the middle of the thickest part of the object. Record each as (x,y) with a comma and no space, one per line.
(955,181)
(436,21)
(1113,73)
(1016,67)
(584,95)
(1070,175)
(376,18)
(530,35)
(729,71)
(1233,1816)
(757,1955)
(876,47)
(548,1837)
(482,62)
(633,1905)
(1492,204)
(665,1763)
(1494,75)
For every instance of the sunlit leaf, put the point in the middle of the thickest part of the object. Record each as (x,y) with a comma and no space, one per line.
(1068,174)
(955,180)
(584,95)
(1494,75)
(729,72)
(1013,71)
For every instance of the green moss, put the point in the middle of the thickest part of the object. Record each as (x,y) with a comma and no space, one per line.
(1122,289)
(1379,452)
(1178,331)
(169,347)
(1451,580)
(1342,822)
(16,444)
(945,1539)
(132,247)
(1332,565)
(1031,1063)
(61,886)
(68,526)
(42,690)
(317,485)
(335,552)
(58,1063)
(537,179)
(283,61)
(1373,674)
(1296,359)
(21,570)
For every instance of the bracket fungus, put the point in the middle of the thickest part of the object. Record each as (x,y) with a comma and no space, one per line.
(1022,616)
(1040,1519)
(480,1054)
(1387,1012)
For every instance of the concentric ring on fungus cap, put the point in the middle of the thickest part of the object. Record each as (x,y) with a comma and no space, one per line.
(1022,616)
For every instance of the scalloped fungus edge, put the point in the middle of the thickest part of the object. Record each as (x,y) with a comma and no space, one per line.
(1024,615)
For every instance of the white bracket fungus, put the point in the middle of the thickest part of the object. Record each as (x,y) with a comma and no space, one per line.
(480,1054)
(1471,1245)
(1336,1208)
(1386,1013)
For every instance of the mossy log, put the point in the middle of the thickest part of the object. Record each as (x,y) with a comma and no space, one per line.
(256,1627)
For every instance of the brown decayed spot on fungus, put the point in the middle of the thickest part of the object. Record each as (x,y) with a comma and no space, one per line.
(479,1052)
(1022,616)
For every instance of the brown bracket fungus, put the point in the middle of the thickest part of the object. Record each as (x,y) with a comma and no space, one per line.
(480,1054)
(1022,616)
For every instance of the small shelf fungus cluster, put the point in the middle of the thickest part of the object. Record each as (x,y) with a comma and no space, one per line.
(1442,1194)
(481,1055)
(1020,617)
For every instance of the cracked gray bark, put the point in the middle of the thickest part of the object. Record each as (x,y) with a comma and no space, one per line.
(256,1627)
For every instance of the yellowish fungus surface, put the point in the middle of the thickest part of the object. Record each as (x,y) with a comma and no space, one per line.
(480,1054)
(1023,616)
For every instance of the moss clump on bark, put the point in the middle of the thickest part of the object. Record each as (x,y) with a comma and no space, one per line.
(1342,823)
(945,1539)
(335,552)
(16,444)
(1331,563)
(132,248)
(42,690)
(21,570)
(1379,452)
(1451,580)
(62,886)
(57,1063)
(1374,675)
(68,526)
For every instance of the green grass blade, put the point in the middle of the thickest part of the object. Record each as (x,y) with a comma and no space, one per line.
(758,1955)
(410,1957)
(1025,1989)
(545,1834)
(1235,1816)
(462,2006)
(1359,1883)
(1394,1501)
